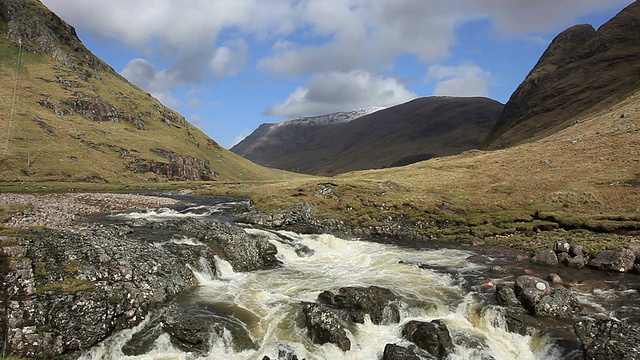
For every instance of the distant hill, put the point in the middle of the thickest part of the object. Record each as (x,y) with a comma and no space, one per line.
(68,116)
(399,135)
(582,71)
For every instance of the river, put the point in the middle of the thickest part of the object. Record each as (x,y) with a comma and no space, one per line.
(433,283)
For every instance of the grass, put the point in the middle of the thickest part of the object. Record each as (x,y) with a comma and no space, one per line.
(581,178)
(69,286)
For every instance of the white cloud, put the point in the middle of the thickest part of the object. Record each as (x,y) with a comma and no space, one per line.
(335,91)
(230,58)
(159,83)
(464,80)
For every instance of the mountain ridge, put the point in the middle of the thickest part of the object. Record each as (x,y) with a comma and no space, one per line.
(583,70)
(417,130)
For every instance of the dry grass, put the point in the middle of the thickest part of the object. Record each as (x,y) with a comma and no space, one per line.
(37,144)
(585,176)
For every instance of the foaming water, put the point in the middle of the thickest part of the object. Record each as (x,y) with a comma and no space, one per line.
(200,211)
(267,303)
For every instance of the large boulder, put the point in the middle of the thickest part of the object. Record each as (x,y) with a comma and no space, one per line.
(397,352)
(192,327)
(432,337)
(544,257)
(323,326)
(608,339)
(530,289)
(617,260)
(506,296)
(76,289)
(561,303)
(379,303)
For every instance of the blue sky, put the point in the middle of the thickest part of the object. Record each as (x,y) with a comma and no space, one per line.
(230,65)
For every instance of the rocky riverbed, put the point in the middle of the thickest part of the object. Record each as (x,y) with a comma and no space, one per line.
(72,285)
(64,211)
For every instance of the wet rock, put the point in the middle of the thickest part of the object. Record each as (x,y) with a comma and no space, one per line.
(432,337)
(192,327)
(230,242)
(397,352)
(554,278)
(608,339)
(544,257)
(78,288)
(520,323)
(506,296)
(530,290)
(324,327)
(561,303)
(379,303)
(617,260)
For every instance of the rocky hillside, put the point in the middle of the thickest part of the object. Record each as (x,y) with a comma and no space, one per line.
(400,135)
(582,71)
(68,116)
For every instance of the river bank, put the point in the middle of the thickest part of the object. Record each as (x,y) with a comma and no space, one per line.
(141,263)
(66,211)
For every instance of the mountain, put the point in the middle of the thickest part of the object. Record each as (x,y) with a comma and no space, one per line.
(272,141)
(399,135)
(68,116)
(581,72)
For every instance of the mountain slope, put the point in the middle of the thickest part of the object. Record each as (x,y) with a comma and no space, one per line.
(403,134)
(269,144)
(68,116)
(582,71)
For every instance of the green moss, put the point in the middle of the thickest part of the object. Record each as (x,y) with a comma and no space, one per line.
(71,286)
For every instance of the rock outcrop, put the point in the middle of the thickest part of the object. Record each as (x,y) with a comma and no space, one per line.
(323,326)
(608,339)
(379,303)
(432,337)
(66,291)
(244,252)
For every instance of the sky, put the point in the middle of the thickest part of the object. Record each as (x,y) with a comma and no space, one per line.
(230,65)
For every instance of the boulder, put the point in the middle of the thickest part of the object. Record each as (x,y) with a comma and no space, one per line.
(576,250)
(561,303)
(561,246)
(530,290)
(506,296)
(323,326)
(285,352)
(608,339)
(616,260)
(577,262)
(379,303)
(192,327)
(563,258)
(397,352)
(544,257)
(432,337)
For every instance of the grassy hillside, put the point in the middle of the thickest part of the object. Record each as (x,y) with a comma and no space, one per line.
(585,176)
(67,116)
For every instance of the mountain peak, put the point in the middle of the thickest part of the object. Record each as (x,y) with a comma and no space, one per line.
(30,24)
(582,71)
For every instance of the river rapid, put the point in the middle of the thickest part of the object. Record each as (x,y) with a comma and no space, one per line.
(432,283)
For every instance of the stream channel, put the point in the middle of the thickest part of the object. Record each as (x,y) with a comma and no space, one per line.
(432,283)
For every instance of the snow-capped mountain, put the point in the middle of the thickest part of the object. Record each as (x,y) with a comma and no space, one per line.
(372,138)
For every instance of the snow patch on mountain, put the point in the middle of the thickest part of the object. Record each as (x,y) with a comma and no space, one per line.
(335,118)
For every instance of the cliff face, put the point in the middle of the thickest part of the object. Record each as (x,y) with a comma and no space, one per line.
(583,70)
(74,118)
